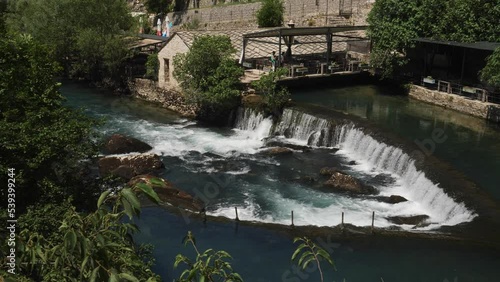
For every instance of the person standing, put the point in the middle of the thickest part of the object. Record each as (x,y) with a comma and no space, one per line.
(158,27)
(273,61)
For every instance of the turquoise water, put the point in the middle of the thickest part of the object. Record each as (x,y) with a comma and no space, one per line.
(264,189)
(471,145)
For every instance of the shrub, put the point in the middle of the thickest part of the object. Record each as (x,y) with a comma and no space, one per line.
(275,96)
(270,13)
(152,67)
(210,77)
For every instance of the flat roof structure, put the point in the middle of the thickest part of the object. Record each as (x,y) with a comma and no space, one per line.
(302,31)
(319,39)
(481,45)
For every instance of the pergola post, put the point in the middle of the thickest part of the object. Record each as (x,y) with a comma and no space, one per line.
(242,56)
(328,46)
(463,66)
(279,50)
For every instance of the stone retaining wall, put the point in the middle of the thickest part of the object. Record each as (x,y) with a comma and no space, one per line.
(148,90)
(451,101)
(302,12)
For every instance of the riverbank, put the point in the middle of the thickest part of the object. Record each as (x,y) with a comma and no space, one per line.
(223,166)
(485,110)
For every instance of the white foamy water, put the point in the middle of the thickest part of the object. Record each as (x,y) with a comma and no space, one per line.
(179,138)
(442,209)
(275,201)
(425,197)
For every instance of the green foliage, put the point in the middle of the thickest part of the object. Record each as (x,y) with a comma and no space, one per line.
(3,11)
(160,6)
(491,72)
(392,29)
(270,13)
(43,140)
(310,252)
(87,36)
(152,67)
(94,247)
(194,24)
(469,20)
(210,77)
(210,265)
(275,96)
(394,24)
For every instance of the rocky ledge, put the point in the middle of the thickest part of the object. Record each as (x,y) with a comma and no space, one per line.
(341,182)
(277,151)
(127,167)
(417,220)
(168,193)
(120,144)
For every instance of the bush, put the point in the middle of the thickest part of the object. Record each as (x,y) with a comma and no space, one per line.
(275,97)
(210,77)
(270,13)
(152,67)
(491,72)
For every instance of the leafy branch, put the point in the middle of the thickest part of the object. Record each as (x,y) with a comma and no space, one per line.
(210,265)
(310,252)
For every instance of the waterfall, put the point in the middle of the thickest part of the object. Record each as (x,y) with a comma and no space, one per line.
(418,187)
(302,126)
(248,119)
(380,157)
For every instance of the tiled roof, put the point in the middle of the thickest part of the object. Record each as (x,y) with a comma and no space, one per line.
(263,47)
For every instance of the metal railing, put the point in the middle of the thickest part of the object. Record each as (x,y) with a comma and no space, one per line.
(469,92)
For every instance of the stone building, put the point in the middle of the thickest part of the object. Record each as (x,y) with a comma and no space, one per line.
(309,48)
(181,42)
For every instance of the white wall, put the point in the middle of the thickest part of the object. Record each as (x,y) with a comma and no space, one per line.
(174,46)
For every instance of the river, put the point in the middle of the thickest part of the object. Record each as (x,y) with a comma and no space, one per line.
(227,168)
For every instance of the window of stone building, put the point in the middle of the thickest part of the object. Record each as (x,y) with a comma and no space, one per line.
(167,69)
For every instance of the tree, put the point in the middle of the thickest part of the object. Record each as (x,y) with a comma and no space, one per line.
(275,96)
(3,11)
(310,253)
(152,67)
(395,24)
(160,6)
(393,28)
(469,21)
(491,72)
(210,265)
(43,141)
(210,77)
(270,13)
(86,36)
(90,247)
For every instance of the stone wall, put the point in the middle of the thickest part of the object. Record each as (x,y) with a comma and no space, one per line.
(148,90)
(494,113)
(302,12)
(451,101)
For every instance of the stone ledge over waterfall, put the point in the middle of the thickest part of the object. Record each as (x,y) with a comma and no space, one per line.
(433,188)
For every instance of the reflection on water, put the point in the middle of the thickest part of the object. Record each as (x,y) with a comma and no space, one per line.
(261,255)
(471,144)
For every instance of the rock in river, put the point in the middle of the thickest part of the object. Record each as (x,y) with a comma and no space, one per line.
(168,193)
(328,171)
(393,199)
(410,220)
(342,182)
(277,151)
(129,166)
(120,144)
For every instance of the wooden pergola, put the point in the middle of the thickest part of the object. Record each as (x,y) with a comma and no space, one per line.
(286,36)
